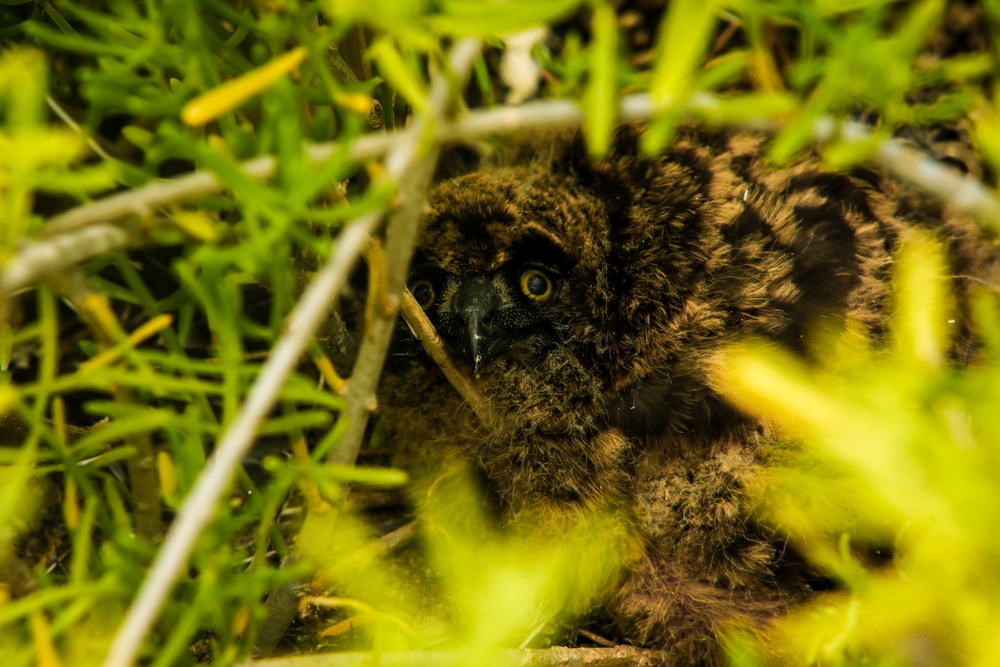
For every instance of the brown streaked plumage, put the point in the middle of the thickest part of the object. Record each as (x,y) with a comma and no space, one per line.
(600,372)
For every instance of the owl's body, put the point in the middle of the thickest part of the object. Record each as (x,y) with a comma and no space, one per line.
(601,293)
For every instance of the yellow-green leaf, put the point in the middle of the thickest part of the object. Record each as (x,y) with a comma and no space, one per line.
(232,93)
(197,224)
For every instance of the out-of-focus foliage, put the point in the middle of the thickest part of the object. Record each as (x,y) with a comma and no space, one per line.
(897,452)
(157,348)
(489,589)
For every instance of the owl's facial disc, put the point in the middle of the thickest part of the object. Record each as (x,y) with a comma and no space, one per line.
(481,317)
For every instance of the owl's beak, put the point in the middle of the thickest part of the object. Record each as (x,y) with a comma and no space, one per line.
(477,341)
(476,301)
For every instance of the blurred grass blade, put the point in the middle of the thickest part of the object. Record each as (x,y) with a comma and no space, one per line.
(600,97)
(921,318)
(58,19)
(399,73)
(684,38)
(76,43)
(986,124)
(6,347)
(761,380)
(120,429)
(17,497)
(23,83)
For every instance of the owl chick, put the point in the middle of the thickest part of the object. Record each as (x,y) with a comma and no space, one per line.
(588,299)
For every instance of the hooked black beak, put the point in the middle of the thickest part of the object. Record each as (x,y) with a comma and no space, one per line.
(475,303)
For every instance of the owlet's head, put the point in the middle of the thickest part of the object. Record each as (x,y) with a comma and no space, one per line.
(495,261)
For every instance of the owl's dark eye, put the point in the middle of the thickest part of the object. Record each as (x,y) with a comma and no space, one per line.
(423,292)
(536,285)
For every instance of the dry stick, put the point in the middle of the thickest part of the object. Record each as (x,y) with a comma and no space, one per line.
(946,183)
(911,165)
(37,259)
(143,201)
(596,638)
(359,402)
(367,553)
(399,537)
(557,656)
(413,172)
(432,342)
(905,162)
(377,303)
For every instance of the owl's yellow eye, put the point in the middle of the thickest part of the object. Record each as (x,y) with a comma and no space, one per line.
(423,292)
(536,285)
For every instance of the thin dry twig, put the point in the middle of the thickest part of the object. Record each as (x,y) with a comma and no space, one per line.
(66,118)
(143,201)
(412,166)
(37,259)
(432,342)
(399,537)
(557,656)
(594,637)
(963,192)
(384,545)
(902,160)
(414,172)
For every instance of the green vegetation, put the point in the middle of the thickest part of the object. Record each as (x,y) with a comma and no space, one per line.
(898,450)
(131,337)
